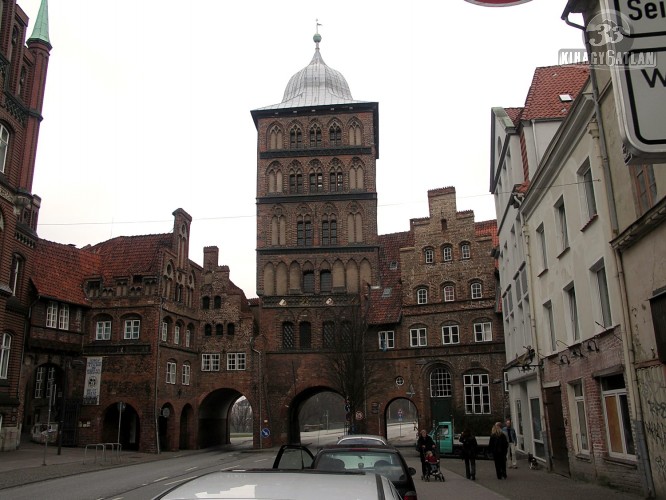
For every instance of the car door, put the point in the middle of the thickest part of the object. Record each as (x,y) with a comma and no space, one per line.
(293,456)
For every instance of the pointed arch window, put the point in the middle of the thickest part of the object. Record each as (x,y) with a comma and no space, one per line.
(275,138)
(308,282)
(296,182)
(328,334)
(316,182)
(325,281)
(335,135)
(287,335)
(295,138)
(305,335)
(304,232)
(315,136)
(355,135)
(329,231)
(335,182)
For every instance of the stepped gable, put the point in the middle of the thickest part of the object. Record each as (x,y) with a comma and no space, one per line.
(548,83)
(132,255)
(60,271)
(386,301)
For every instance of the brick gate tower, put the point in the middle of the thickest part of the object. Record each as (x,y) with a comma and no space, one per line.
(317,245)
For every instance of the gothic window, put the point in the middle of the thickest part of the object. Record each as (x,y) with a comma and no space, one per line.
(308,282)
(304,232)
(4,146)
(355,135)
(287,335)
(315,136)
(335,135)
(329,231)
(355,228)
(16,274)
(295,138)
(5,351)
(356,176)
(316,182)
(335,181)
(325,281)
(296,183)
(305,335)
(278,230)
(275,138)
(328,334)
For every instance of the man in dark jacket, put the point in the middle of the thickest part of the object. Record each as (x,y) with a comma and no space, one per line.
(469,449)
(510,434)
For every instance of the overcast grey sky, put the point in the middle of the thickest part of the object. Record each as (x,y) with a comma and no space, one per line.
(148,106)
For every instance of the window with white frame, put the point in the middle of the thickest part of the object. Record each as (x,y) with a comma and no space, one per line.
(132,329)
(4,146)
(422,296)
(561,217)
(386,340)
(429,255)
(40,374)
(447,253)
(449,293)
(235,361)
(465,251)
(617,419)
(483,331)
(210,362)
(581,441)
(176,334)
(477,394)
(188,335)
(16,274)
(63,317)
(187,371)
(541,243)
(587,183)
(5,351)
(103,330)
(450,334)
(476,290)
(440,383)
(171,372)
(418,337)
(165,331)
(52,314)
(572,308)
(603,317)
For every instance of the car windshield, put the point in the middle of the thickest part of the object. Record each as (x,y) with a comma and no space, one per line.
(385,463)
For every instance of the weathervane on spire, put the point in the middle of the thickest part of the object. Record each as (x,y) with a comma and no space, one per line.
(317,36)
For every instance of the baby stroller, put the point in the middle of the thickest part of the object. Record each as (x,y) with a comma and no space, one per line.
(433,471)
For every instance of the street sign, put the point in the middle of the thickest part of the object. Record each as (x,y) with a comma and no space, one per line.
(265,432)
(637,60)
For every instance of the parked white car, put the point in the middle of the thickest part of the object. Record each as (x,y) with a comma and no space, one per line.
(275,484)
(362,439)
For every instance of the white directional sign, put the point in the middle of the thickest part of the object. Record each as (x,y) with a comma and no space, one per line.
(638,63)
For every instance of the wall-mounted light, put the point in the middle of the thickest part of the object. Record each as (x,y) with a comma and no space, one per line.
(564,359)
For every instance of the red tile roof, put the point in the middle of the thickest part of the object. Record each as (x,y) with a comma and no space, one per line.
(549,82)
(514,114)
(386,308)
(60,271)
(130,255)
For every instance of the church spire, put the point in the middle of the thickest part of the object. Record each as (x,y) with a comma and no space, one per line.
(41,30)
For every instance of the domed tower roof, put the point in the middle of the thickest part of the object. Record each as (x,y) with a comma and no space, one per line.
(315,85)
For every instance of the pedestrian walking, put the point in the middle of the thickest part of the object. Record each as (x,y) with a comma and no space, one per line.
(469,449)
(425,444)
(510,434)
(498,446)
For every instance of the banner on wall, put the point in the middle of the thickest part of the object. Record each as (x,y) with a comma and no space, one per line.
(93,381)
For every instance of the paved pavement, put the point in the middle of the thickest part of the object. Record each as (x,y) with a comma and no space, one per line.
(34,462)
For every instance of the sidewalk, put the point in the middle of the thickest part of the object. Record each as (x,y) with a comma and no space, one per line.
(522,483)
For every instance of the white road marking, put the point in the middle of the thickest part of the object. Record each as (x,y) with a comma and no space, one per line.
(191,468)
(160,479)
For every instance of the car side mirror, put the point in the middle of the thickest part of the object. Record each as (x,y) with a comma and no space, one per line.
(412,471)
